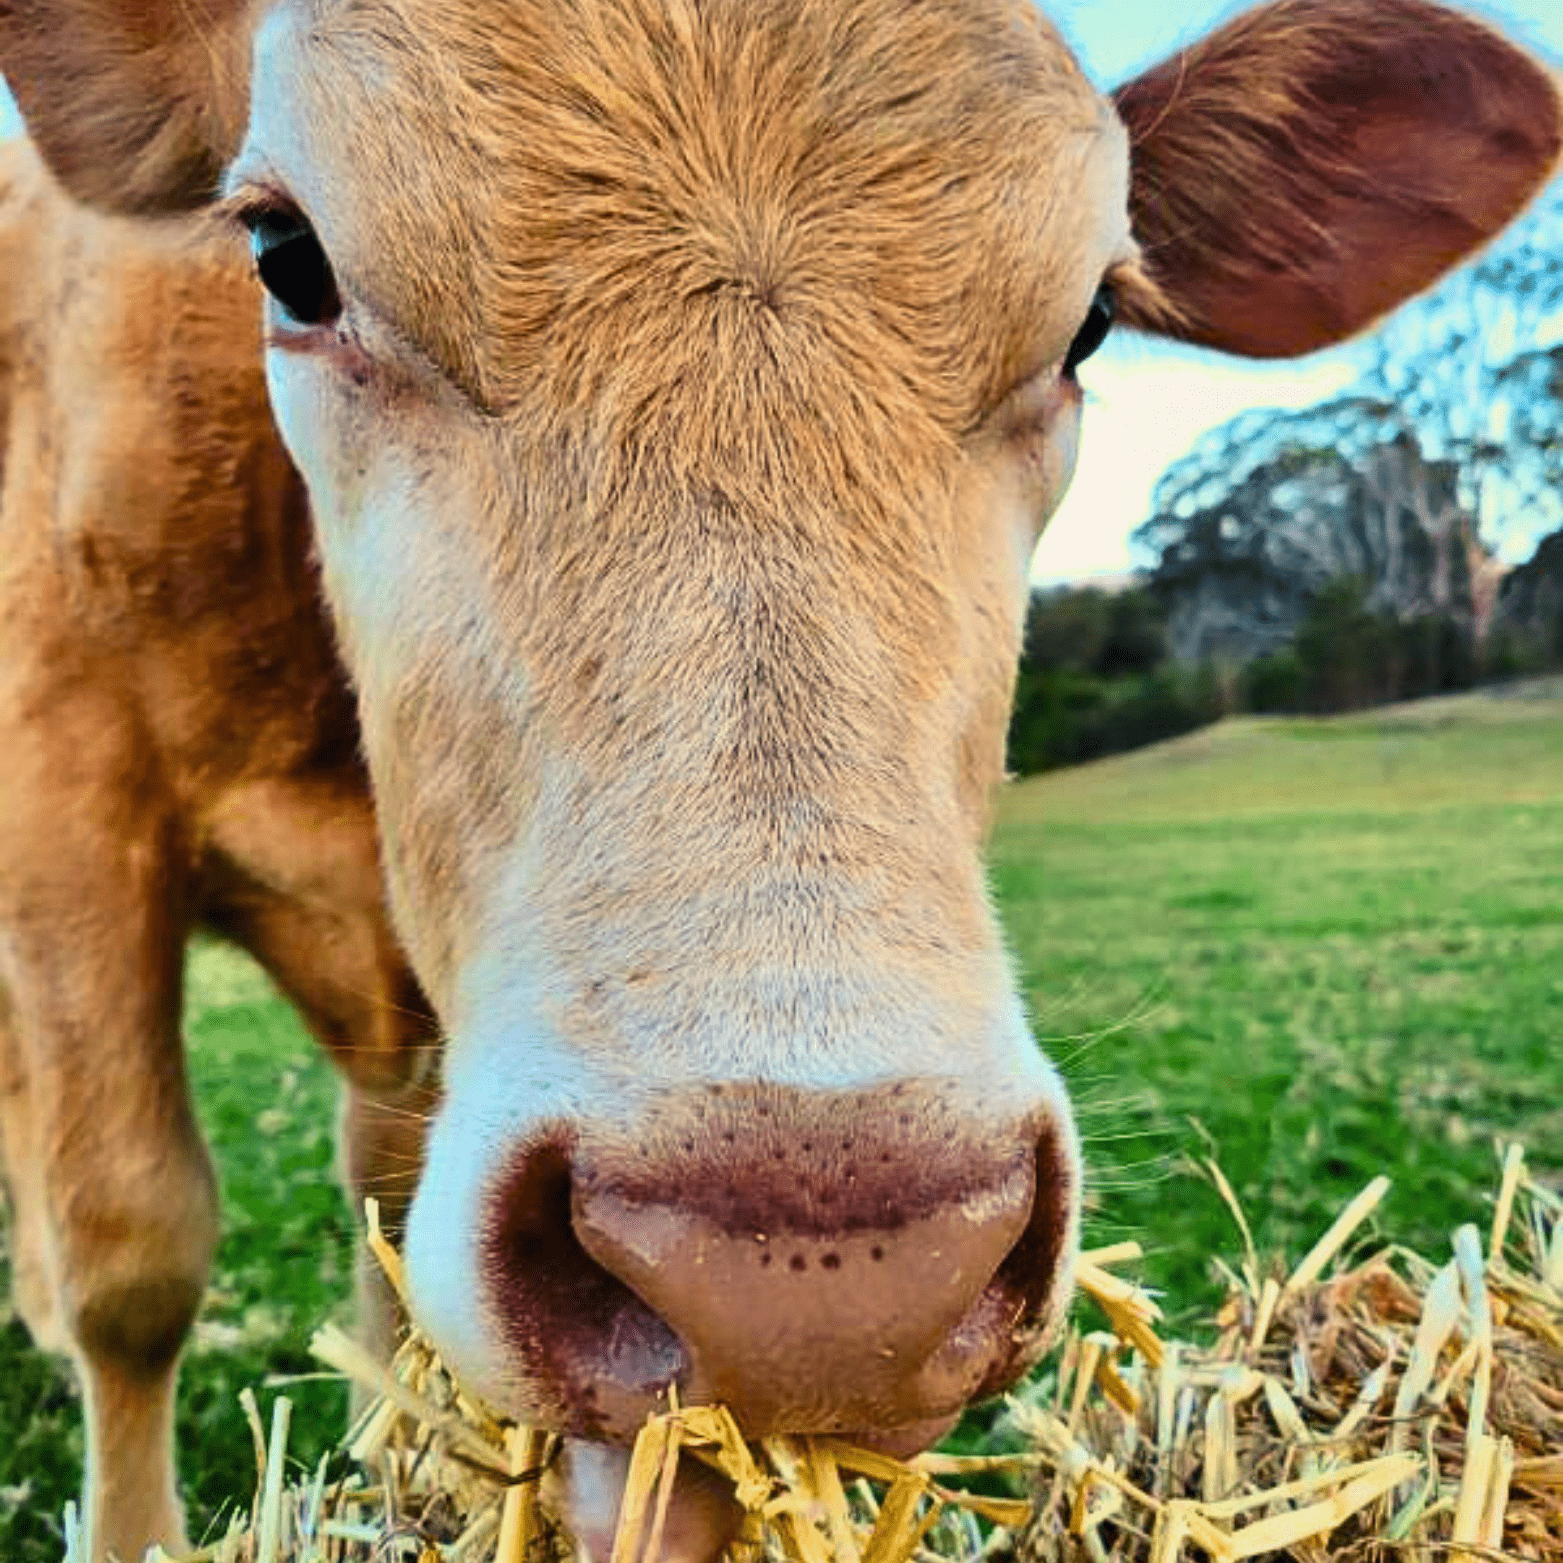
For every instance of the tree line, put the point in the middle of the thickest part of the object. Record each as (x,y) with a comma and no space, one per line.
(1344,555)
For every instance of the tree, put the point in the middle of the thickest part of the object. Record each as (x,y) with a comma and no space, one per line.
(1531,472)
(1528,625)
(1088,630)
(1472,367)
(1266,511)
(1447,451)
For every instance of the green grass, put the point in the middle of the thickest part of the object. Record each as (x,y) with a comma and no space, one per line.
(1337,945)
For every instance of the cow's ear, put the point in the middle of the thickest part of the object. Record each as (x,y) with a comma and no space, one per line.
(136,105)
(1315,162)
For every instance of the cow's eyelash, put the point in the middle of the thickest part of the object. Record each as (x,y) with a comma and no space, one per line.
(251,205)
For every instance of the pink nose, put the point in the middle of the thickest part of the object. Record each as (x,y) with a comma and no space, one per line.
(866,1263)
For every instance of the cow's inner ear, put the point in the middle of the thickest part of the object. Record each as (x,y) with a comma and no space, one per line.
(1310,166)
(136,108)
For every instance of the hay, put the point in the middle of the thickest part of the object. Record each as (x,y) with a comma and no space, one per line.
(1401,1405)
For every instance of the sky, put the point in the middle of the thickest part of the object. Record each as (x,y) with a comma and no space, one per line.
(1148,403)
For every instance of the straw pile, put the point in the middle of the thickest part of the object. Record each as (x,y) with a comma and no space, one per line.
(1399,1405)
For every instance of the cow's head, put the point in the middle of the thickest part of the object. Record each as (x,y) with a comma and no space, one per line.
(681,386)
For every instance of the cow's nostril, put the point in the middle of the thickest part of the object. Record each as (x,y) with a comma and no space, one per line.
(1032,1265)
(1030,1280)
(594,1355)
(534,1213)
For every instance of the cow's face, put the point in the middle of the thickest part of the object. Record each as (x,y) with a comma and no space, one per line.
(681,386)
(678,443)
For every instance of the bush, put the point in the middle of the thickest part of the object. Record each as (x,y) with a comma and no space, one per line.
(1273,684)
(1087,630)
(1510,653)
(1437,657)
(1064,717)
(1094,679)
(1347,652)
(1348,657)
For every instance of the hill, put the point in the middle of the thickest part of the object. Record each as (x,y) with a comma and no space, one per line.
(1500,744)
(1336,944)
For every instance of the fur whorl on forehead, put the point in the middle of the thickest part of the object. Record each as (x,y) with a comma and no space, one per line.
(665,202)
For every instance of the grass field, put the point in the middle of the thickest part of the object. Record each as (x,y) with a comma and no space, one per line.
(1318,950)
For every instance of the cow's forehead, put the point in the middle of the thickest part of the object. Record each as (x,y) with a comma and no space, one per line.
(542,190)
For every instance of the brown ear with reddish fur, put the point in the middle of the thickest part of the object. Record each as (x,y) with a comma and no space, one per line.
(1314,162)
(136,105)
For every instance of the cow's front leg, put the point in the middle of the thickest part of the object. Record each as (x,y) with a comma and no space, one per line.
(114,1203)
(311,910)
(21,1181)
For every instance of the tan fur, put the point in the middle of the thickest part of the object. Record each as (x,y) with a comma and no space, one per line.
(655,350)
(675,464)
(165,86)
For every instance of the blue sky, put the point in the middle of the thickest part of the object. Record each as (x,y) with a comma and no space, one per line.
(1148,402)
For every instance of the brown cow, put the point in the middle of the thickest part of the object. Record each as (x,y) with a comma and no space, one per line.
(180,747)
(680,386)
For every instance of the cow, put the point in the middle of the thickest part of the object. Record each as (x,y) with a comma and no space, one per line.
(679,388)
(182,750)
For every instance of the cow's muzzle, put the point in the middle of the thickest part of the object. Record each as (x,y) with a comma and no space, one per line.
(863,1263)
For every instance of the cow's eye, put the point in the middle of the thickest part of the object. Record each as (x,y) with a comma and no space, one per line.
(1091,335)
(293,268)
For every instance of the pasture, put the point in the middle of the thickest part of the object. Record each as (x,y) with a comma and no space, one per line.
(1317,950)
